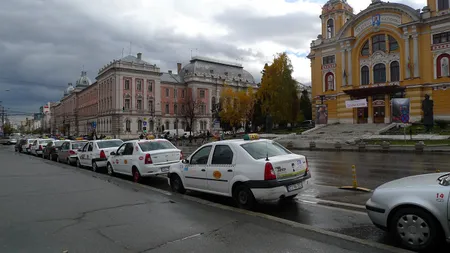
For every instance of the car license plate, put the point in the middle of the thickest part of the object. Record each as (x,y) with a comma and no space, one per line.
(165,169)
(294,187)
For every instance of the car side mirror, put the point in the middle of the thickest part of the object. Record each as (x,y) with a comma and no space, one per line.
(185,161)
(112,153)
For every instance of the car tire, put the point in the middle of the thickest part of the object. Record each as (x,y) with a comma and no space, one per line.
(79,164)
(176,184)
(68,161)
(94,167)
(407,219)
(136,175)
(244,197)
(57,159)
(110,169)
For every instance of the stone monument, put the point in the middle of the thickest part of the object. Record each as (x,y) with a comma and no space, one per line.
(427,108)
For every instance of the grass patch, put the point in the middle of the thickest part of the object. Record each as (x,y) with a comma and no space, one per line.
(419,129)
(408,142)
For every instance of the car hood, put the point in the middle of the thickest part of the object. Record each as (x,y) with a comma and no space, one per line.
(413,181)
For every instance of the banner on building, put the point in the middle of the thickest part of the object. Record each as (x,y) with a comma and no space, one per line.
(321,114)
(400,110)
(356,103)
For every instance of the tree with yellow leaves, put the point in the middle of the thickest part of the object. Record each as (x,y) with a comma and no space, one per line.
(236,106)
(278,91)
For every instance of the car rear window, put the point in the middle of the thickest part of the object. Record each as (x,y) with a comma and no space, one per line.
(59,143)
(78,145)
(44,141)
(155,145)
(109,144)
(261,149)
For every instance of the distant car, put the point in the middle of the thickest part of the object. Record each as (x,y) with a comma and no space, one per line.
(144,158)
(37,148)
(416,210)
(26,147)
(19,145)
(247,169)
(68,151)
(95,153)
(51,150)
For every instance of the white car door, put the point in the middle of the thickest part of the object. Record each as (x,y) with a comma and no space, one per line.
(87,161)
(127,157)
(221,169)
(117,159)
(195,172)
(82,154)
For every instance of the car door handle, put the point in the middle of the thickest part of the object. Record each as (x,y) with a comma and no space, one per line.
(203,170)
(230,170)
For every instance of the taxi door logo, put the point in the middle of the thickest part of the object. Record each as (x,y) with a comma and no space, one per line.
(217,174)
(126,162)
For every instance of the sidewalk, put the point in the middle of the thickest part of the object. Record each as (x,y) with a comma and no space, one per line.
(56,208)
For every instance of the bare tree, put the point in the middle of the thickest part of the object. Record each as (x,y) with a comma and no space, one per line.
(191,110)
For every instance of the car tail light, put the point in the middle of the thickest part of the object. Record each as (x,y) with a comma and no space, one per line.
(148,159)
(269,173)
(307,166)
(71,152)
(102,154)
(181,155)
(40,147)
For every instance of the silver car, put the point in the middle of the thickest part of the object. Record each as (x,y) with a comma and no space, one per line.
(416,210)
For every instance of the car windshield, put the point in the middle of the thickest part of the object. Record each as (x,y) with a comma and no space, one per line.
(109,144)
(155,145)
(59,143)
(44,141)
(78,145)
(262,149)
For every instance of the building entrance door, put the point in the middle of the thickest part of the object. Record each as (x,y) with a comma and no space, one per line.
(378,110)
(363,114)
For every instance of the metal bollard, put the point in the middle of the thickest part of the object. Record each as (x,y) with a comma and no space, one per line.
(355,182)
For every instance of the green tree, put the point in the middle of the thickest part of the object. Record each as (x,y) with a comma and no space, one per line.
(305,105)
(278,91)
(8,129)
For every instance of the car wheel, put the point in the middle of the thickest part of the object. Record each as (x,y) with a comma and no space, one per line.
(110,169)
(79,164)
(68,161)
(416,229)
(94,167)
(244,197)
(176,184)
(136,175)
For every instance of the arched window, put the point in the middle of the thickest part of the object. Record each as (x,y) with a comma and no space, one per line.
(139,125)
(128,125)
(442,65)
(393,44)
(365,51)
(379,43)
(330,28)
(365,79)
(395,71)
(379,73)
(329,81)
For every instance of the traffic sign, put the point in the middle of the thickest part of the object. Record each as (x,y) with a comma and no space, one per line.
(144,123)
(94,124)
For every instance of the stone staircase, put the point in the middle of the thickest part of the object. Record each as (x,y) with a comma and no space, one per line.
(344,133)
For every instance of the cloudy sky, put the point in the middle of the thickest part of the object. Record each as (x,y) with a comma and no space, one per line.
(44,44)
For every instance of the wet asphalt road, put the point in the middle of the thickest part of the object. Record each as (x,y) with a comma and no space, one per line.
(323,205)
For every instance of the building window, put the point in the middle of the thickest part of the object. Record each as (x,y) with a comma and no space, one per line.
(379,43)
(138,85)
(202,93)
(151,125)
(442,65)
(150,86)
(441,38)
(140,125)
(443,5)
(365,79)
(330,28)
(329,81)
(175,93)
(167,92)
(175,124)
(150,105)
(379,73)
(329,59)
(175,109)
(139,104)
(182,109)
(127,84)
(167,108)
(128,125)
(395,71)
(365,51)
(167,125)
(183,125)
(127,104)
(213,103)
(182,93)
(393,44)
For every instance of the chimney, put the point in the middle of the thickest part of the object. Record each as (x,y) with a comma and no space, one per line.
(139,56)
(179,68)
(170,71)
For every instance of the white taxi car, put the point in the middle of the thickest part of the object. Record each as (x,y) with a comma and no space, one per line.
(247,170)
(95,153)
(37,148)
(144,158)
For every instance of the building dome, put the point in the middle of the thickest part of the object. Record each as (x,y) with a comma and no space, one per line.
(83,81)
(69,89)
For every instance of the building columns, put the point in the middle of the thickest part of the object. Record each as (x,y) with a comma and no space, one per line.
(349,74)
(387,109)
(344,83)
(407,58)
(369,110)
(416,55)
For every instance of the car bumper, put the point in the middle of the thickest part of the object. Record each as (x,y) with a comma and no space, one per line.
(155,170)
(39,152)
(274,190)
(377,214)
(101,162)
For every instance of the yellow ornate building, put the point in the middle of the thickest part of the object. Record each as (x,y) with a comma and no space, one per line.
(388,50)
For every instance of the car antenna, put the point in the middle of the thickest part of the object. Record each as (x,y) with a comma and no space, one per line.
(267,152)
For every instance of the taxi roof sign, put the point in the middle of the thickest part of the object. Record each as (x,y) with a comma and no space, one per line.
(250,137)
(150,137)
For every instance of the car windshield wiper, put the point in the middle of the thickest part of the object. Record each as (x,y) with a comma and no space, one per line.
(441,177)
